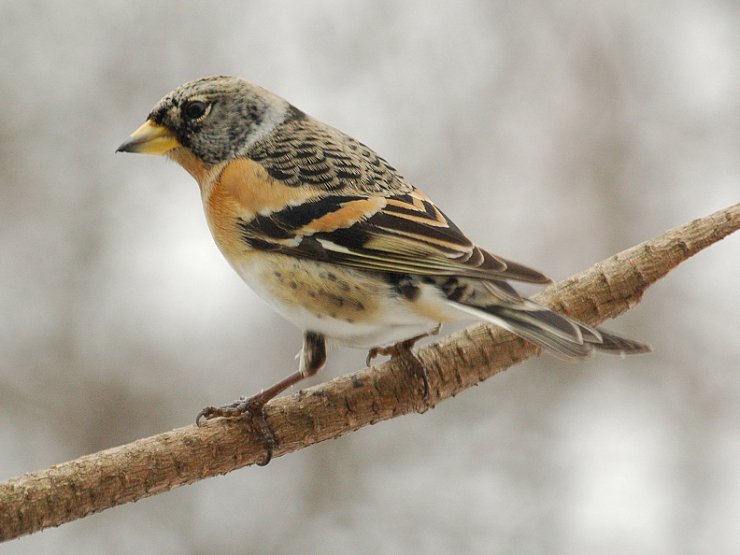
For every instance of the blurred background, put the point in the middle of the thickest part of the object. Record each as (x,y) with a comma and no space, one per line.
(555,134)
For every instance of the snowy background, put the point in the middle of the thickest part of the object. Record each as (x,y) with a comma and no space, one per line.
(554,133)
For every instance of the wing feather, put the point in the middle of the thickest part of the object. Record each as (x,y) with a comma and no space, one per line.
(402,233)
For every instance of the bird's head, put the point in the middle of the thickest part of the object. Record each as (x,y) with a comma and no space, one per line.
(214,119)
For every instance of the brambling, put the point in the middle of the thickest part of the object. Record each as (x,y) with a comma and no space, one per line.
(334,238)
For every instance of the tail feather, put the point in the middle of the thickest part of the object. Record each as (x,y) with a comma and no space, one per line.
(561,336)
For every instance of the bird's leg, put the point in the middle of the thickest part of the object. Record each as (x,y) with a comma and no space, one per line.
(313,357)
(405,344)
(403,349)
(254,407)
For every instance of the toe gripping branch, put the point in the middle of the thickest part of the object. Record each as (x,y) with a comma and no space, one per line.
(254,408)
(314,351)
(404,349)
(313,357)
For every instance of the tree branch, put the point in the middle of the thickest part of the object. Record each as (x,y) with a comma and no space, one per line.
(159,463)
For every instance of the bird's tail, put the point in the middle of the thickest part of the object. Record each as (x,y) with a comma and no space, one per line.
(560,335)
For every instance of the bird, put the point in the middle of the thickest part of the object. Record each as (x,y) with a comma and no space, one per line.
(335,239)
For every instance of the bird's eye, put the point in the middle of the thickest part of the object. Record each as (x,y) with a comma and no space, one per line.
(195,109)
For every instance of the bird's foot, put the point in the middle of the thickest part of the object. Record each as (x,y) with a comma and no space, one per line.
(403,349)
(254,407)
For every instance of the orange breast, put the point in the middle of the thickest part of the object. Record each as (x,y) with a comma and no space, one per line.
(241,191)
(249,185)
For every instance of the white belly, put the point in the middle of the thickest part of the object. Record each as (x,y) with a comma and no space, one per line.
(303,294)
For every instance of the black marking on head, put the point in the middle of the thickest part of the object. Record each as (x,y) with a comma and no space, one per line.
(158,115)
(237,114)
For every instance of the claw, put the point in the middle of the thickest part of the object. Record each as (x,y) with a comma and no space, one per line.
(252,406)
(403,349)
(392,350)
(313,357)
(371,354)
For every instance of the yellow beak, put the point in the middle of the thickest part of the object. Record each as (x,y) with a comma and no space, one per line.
(150,138)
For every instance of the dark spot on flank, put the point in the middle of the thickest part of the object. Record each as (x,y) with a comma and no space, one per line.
(410,292)
(338,301)
(344,286)
(293,285)
(277,274)
(331,277)
(453,290)
(405,286)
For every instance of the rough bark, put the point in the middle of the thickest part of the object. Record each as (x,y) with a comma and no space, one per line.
(159,463)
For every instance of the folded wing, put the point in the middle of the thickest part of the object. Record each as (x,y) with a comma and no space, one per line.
(403,233)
